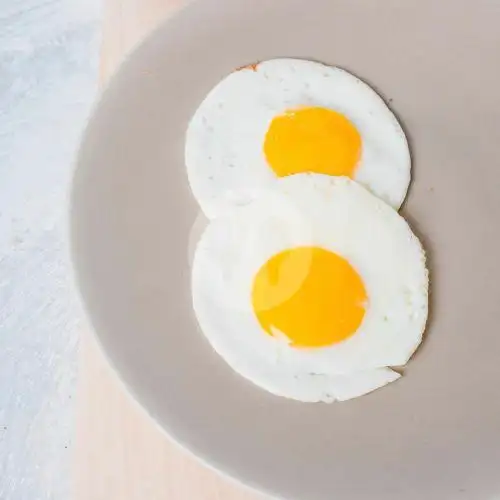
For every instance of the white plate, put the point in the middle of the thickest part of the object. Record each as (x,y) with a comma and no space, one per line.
(434,434)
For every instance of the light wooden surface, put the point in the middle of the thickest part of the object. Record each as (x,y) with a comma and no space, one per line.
(120,454)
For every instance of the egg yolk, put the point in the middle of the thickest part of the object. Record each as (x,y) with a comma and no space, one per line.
(312,139)
(311,295)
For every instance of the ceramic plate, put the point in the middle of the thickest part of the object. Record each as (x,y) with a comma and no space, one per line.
(433,435)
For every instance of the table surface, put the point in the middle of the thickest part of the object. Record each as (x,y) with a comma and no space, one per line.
(120,453)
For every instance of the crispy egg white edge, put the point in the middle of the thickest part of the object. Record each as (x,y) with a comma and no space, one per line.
(306,209)
(224,140)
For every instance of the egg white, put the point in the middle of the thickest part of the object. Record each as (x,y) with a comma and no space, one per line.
(225,137)
(337,214)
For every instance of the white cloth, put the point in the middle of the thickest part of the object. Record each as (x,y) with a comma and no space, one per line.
(48,78)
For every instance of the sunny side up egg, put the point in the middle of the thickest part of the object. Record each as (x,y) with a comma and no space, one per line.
(312,289)
(289,116)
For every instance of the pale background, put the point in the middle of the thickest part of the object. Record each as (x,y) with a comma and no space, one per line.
(48,80)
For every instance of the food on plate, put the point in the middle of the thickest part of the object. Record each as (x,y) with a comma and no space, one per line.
(287,116)
(312,289)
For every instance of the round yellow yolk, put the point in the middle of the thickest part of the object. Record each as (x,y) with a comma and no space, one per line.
(311,295)
(312,139)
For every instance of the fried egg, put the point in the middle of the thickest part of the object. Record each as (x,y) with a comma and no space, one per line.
(312,289)
(287,116)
